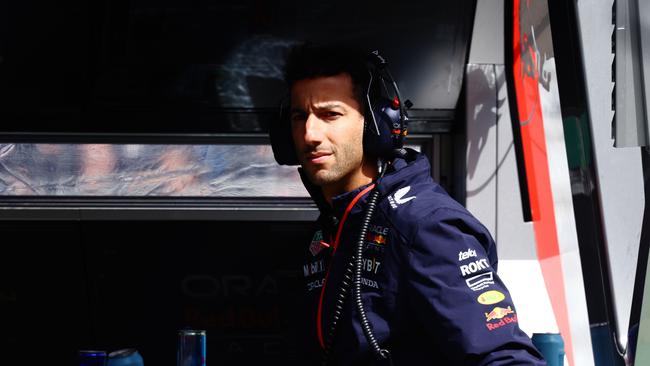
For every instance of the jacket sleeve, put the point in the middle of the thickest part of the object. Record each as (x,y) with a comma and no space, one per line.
(453,288)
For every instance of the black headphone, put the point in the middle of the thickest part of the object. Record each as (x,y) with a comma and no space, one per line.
(385,119)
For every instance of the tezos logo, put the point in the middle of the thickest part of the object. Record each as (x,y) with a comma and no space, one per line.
(466,254)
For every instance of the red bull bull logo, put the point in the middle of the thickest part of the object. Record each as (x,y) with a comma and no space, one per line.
(500,314)
(377,239)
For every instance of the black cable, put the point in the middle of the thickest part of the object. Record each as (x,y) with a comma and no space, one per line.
(338,311)
(381,353)
(353,274)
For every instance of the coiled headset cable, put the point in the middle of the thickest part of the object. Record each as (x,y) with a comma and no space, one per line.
(352,276)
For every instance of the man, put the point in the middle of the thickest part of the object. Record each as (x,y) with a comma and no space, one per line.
(429,292)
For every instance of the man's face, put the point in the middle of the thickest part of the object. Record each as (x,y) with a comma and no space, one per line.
(327,128)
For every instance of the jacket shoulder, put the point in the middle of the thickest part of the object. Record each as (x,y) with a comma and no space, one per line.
(411,208)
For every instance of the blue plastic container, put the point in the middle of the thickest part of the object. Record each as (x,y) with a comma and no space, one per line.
(551,346)
(125,357)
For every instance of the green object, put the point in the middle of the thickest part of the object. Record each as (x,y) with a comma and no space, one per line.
(642,356)
(577,139)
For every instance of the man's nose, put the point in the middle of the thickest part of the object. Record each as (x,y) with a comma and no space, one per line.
(313,130)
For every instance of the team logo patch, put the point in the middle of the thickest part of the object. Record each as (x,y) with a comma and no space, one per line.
(474,267)
(466,254)
(490,297)
(315,246)
(398,198)
(370,265)
(376,239)
(368,282)
(500,314)
(313,268)
(479,282)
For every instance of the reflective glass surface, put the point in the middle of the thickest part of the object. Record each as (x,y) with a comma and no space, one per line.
(145,170)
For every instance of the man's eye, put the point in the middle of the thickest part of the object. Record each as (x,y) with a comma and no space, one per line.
(332,114)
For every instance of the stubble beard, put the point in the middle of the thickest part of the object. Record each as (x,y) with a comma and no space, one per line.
(347,160)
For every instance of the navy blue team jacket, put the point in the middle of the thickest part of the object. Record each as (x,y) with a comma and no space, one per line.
(429,282)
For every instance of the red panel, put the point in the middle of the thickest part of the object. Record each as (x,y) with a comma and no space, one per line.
(526,82)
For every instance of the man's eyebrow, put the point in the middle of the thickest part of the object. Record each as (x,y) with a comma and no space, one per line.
(328,105)
(318,106)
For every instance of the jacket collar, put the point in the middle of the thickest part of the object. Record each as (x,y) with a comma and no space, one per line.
(339,202)
(412,168)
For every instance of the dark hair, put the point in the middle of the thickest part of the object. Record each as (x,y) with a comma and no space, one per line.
(310,60)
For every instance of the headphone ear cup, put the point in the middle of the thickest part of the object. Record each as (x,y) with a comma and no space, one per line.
(389,124)
(284,149)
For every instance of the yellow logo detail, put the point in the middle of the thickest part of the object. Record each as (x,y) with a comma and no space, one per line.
(498,313)
(490,297)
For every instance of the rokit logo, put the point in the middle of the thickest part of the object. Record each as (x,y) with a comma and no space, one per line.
(474,267)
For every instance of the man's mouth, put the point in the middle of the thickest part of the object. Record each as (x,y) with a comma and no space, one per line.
(318,158)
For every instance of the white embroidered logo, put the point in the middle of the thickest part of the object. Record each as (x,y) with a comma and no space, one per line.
(398,198)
